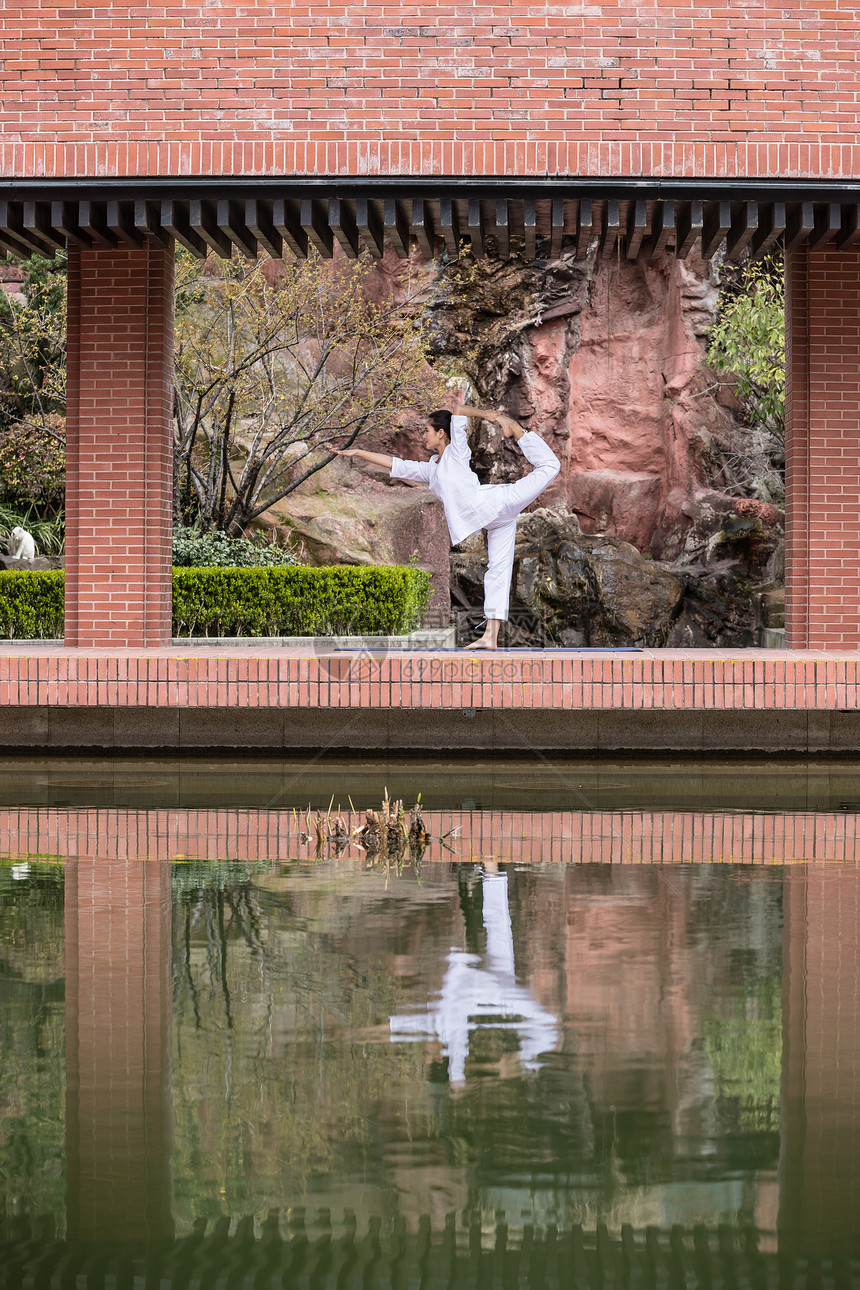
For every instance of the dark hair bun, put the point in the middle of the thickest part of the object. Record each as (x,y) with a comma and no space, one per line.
(441,421)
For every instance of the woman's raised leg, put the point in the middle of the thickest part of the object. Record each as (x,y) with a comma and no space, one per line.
(524,491)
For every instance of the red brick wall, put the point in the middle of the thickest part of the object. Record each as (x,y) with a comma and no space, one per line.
(823,450)
(244,680)
(118,1015)
(659,89)
(119,477)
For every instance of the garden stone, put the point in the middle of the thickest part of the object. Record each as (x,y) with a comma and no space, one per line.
(27,566)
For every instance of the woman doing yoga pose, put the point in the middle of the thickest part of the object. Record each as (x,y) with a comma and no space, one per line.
(469,504)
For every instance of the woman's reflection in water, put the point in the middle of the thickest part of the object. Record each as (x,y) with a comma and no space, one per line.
(482,992)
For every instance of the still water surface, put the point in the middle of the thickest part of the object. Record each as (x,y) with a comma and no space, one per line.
(580,1061)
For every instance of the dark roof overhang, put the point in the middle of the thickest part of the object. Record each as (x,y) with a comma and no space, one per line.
(497,215)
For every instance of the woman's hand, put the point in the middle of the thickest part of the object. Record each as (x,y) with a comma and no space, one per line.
(510,428)
(488,414)
(375,458)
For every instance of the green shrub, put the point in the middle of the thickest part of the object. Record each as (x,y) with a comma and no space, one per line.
(293,601)
(31,604)
(193,549)
(299,601)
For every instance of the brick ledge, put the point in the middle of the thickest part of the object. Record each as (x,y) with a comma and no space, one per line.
(46,675)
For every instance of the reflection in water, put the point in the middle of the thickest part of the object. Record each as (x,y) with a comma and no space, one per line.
(118,1021)
(32,1037)
(483,992)
(610,1057)
(676,783)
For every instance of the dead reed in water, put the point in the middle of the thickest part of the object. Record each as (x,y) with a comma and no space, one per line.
(388,834)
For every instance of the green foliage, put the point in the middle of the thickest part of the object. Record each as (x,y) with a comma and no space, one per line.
(33,391)
(745,1053)
(33,344)
(748,338)
(48,533)
(33,466)
(299,601)
(31,604)
(193,549)
(291,601)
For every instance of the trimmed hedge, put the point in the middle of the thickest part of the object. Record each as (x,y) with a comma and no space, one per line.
(354,600)
(31,604)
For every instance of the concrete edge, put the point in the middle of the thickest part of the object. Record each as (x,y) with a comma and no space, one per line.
(169,731)
(434,638)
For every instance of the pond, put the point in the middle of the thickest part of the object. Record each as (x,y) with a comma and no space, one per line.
(229,1055)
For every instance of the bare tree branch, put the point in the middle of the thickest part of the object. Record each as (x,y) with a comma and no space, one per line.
(274,365)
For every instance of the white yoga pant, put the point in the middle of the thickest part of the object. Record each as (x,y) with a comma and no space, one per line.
(502,533)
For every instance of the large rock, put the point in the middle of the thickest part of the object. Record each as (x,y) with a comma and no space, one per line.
(29,566)
(607,360)
(720,607)
(706,528)
(572,588)
(352,517)
(637,597)
(627,504)
(575,589)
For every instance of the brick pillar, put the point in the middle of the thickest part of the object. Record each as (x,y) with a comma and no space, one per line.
(119,448)
(819,1157)
(822,576)
(118,1031)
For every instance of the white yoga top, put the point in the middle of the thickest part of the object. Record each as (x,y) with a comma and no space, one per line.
(469,504)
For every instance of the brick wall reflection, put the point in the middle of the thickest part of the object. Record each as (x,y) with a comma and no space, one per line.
(633,837)
(820,1141)
(118,1013)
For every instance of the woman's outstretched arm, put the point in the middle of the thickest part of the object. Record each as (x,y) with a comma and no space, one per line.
(510,427)
(375,458)
(417,472)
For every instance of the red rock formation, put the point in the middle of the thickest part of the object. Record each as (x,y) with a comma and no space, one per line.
(605,359)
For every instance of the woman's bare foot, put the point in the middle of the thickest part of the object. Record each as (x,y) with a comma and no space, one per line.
(490,638)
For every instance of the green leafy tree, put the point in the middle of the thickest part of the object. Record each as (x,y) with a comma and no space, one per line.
(33,401)
(748,339)
(275,365)
(214,549)
(33,350)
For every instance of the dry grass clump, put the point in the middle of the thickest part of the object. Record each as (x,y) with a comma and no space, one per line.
(390,834)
